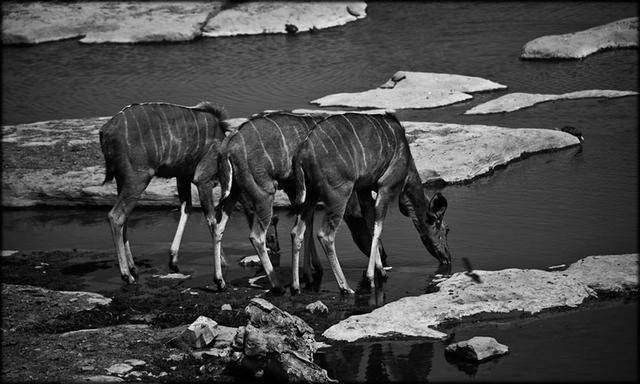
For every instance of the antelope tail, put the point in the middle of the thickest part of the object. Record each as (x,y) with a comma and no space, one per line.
(226,176)
(298,174)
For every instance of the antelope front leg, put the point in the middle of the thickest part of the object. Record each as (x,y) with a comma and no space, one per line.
(224,210)
(184,194)
(382,203)
(298,237)
(258,237)
(205,190)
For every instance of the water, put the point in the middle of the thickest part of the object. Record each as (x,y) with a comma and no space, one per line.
(547,209)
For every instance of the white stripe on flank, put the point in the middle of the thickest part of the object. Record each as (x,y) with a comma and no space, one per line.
(244,147)
(146,154)
(364,153)
(284,142)
(206,128)
(273,168)
(227,188)
(195,119)
(377,129)
(339,135)
(171,136)
(126,130)
(395,139)
(161,132)
(153,137)
(334,144)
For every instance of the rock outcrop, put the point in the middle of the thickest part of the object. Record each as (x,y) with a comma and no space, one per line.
(257,17)
(478,348)
(59,162)
(413,90)
(618,34)
(515,101)
(505,291)
(105,22)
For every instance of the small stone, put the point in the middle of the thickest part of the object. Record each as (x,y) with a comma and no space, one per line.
(225,307)
(87,368)
(135,362)
(104,379)
(119,369)
(176,357)
(200,333)
(477,348)
(250,260)
(317,307)
(176,276)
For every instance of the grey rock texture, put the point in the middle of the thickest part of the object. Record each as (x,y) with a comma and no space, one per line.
(477,348)
(508,290)
(618,34)
(515,101)
(413,90)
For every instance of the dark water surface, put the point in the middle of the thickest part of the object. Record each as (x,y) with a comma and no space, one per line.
(547,209)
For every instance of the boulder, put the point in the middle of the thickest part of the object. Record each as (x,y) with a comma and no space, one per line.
(449,153)
(316,307)
(413,90)
(105,22)
(515,101)
(505,291)
(618,34)
(200,333)
(478,348)
(255,17)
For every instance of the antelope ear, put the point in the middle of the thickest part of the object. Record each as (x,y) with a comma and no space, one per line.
(438,205)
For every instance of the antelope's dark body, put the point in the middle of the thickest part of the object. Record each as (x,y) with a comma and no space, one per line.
(170,139)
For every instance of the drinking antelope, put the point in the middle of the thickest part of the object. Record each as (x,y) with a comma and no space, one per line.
(256,161)
(356,154)
(165,140)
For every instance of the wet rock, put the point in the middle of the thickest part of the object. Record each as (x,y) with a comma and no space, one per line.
(225,307)
(200,333)
(316,307)
(173,276)
(515,101)
(291,367)
(477,348)
(618,34)
(135,362)
(119,369)
(413,90)
(104,379)
(8,252)
(291,29)
(254,17)
(101,22)
(505,291)
(252,260)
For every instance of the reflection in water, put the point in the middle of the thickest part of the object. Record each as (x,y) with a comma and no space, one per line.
(384,361)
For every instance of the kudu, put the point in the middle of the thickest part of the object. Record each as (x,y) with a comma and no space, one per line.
(165,140)
(356,154)
(256,161)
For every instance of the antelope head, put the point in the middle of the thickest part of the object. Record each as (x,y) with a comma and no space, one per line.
(435,238)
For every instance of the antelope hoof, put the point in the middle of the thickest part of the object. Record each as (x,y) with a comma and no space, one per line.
(128,278)
(221,285)
(346,291)
(174,267)
(277,290)
(295,291)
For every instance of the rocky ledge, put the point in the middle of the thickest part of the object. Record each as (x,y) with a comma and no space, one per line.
(515,101)
(506,291)
(413,90)
(143,22)
(618,34)
(59,162)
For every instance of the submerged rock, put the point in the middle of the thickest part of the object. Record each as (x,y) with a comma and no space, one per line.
(104,22)
(447,153)
(255,17)
(504,291)
(477,348)
(316,307)
(618,34)
(515,101)
(413,90)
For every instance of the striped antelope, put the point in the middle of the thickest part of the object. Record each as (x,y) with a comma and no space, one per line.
(357,154)
(256,161)
(165,140)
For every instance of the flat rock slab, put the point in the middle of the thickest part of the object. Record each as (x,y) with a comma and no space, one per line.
(504,291)
(477,348)
(618,34)
(59,162)
(105,22)
(457,153)
(413,90)
(256,17)
(515,101)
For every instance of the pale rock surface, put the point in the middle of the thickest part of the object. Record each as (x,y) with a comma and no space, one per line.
(173,276)
(119,369)
(316,307)
(250,260)
(105,22)
(477,348)
(456,153)
(449,152)
(200,333)
(618,34)
(521,290)
(103,379)
(256,17)
(515,101)
(413,90)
